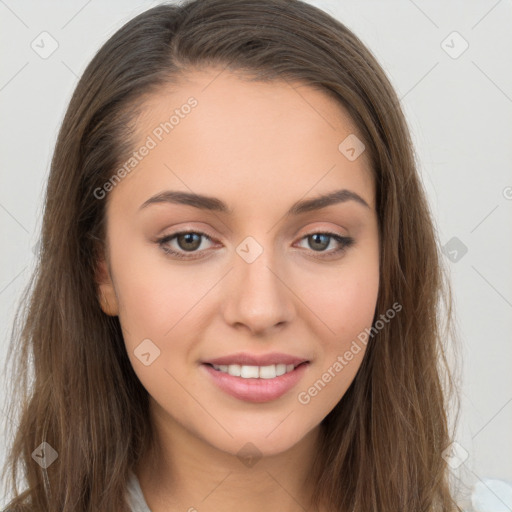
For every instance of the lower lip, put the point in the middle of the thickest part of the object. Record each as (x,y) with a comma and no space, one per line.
(256,390)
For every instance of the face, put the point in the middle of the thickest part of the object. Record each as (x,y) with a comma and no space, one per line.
(219,295)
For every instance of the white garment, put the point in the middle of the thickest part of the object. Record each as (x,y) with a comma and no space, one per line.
(134,496)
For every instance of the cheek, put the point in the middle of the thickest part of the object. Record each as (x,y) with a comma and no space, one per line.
(344,300)
(155,297)
(353,307)
(160,305)
(166,304)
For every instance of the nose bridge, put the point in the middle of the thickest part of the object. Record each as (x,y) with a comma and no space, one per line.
(258,298)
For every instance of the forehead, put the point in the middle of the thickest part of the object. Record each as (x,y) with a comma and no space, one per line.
(245,138)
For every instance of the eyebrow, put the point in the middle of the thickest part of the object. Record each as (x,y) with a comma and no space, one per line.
(214,204)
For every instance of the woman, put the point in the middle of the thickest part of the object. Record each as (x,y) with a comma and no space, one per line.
(238,293)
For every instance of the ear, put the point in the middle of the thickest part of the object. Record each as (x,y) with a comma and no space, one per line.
(107,295)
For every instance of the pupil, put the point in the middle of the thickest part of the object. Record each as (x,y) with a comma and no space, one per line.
(316,240)
(189,239)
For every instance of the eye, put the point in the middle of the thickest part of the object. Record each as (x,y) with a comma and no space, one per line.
(320,241)
(191,241)
(187,242)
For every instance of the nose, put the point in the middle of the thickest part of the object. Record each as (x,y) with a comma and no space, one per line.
(258,298)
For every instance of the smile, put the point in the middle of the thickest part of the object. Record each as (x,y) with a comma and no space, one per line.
(255,372)
(251,383)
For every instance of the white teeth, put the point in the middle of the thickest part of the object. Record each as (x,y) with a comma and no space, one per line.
(268,372)
(249,372)
(233,369)
(255,372)
(280,369)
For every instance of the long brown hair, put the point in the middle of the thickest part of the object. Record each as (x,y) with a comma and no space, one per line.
(73,385)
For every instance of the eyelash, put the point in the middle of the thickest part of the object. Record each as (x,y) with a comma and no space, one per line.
(345,242)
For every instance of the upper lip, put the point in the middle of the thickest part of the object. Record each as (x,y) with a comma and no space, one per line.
(246,359)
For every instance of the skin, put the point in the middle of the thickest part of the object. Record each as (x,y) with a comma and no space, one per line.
(259,147)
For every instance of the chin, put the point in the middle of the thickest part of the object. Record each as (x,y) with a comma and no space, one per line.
(257,442)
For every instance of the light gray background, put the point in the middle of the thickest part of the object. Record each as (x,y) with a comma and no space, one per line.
(460,114)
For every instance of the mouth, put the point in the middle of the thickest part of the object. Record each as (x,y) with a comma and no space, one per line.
(256,372)
(256,382)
